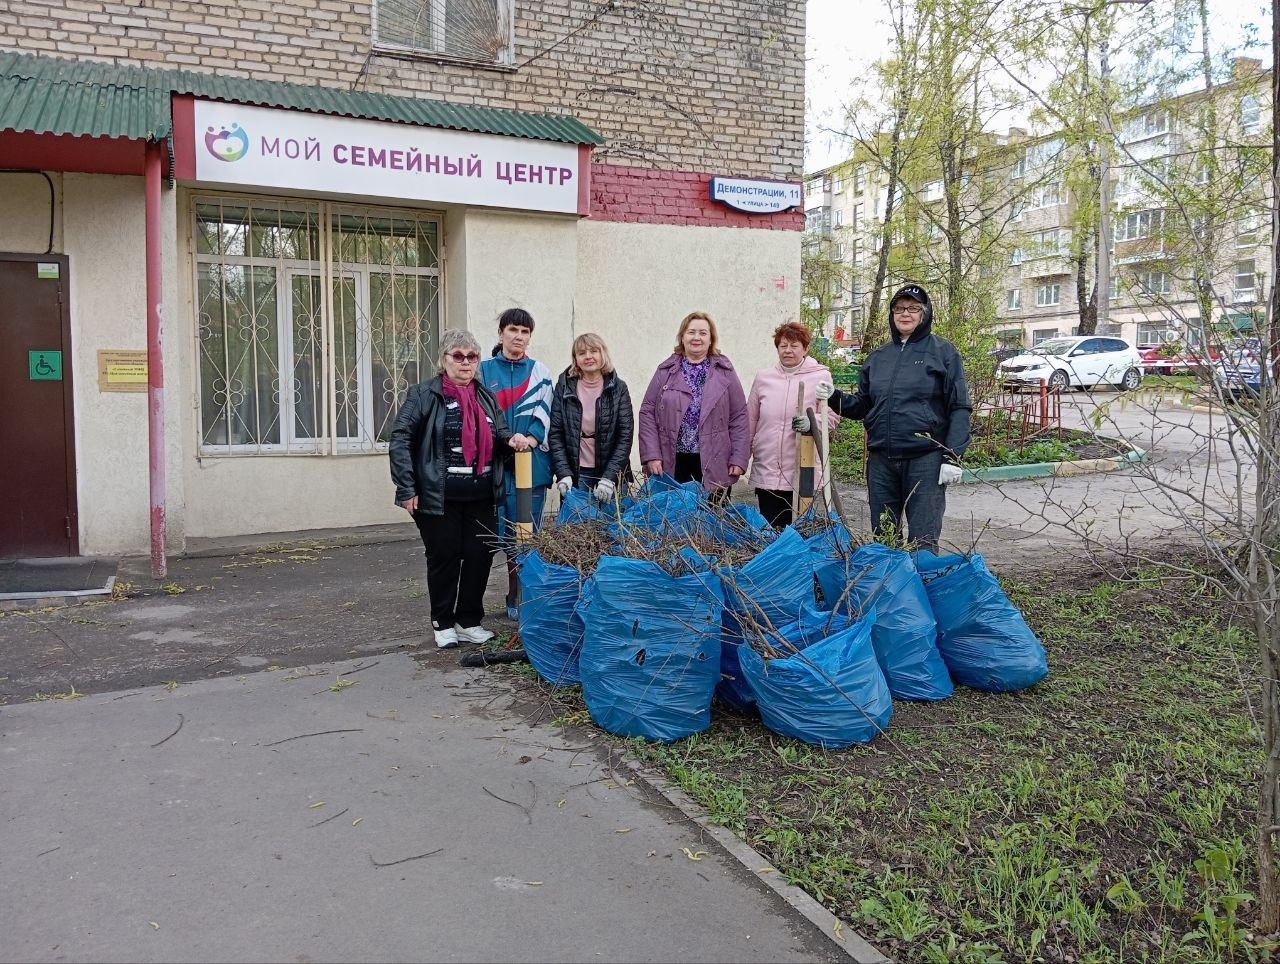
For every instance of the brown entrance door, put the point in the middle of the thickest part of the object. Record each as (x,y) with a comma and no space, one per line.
(37,454)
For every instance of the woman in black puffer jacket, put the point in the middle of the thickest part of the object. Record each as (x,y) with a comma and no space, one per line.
(592,423)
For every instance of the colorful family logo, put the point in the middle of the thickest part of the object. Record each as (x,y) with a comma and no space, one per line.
(227,143)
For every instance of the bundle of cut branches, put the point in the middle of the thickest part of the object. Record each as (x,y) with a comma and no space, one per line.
(576,544)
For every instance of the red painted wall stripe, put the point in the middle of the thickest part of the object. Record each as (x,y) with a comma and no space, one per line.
(649,196)
(184,135)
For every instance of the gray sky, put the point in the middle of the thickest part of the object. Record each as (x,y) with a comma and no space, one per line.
(846,36)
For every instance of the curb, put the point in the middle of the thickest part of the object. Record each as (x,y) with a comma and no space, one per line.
(1040,470)
(832,927)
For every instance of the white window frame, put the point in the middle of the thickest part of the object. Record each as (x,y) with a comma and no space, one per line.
(1015,257)
(327,269)
(1046,196)
(1045,292)
(1155,282)
(1013,299)
(438,46)
(1148,124)
(1245,271)
(933,191)
(838,218)
(1250,114)
(837,184)
(1043,334)
(1137,225)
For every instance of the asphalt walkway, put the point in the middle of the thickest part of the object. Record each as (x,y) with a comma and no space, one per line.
(266,766)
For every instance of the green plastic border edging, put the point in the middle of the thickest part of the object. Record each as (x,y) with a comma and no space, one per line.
(1041,470)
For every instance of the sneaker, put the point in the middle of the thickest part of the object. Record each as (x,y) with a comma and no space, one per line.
(446,638)
(472,634)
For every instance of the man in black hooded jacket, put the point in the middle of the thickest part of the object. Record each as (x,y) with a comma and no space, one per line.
(914,403)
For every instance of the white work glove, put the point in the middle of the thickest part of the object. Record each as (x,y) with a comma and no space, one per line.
(823,390)
(564,485)
(949,473)
(800,424)
(604,490)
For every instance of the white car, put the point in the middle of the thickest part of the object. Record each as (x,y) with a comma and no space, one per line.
(1076,361)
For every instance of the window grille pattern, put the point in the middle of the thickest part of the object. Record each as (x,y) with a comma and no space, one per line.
(288,366)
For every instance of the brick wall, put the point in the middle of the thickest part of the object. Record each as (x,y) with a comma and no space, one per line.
(695,84)
(620,193)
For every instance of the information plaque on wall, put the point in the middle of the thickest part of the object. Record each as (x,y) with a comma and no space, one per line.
(122,371)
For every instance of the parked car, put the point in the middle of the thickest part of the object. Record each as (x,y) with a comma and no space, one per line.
(1175,359)
(1075,361)
(1239,373)
(1005,352)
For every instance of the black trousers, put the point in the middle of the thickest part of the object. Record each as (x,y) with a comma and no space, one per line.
(459,546)
(775,506)
(897,487)
(689,469)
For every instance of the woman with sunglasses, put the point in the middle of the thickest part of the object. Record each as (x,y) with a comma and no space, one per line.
(591,422)
(447,452)
(914,402)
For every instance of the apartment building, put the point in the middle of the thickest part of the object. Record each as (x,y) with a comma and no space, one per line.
(231,231)
(1029,271)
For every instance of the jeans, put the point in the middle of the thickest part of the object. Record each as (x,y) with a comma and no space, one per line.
(459,547)
(910,487)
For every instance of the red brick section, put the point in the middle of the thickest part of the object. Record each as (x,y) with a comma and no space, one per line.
(649,196)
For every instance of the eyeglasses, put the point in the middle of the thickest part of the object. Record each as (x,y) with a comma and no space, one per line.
(470,357)
(915,310)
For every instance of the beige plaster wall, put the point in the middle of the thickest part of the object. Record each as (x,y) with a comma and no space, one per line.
(105,242)
(24,224)
(637,281)
(519,261)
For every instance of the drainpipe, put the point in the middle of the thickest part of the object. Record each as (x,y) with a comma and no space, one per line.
(155,361)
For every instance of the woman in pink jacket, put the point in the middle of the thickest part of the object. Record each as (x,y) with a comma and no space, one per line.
(693,420)
(770,407)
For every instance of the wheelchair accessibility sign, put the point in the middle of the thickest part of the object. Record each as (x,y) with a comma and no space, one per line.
(44,365)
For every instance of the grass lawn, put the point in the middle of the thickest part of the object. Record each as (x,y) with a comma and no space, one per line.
(1103,815)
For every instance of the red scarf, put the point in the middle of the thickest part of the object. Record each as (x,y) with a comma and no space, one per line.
(477,437)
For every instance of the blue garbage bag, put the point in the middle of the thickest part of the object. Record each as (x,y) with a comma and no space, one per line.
(736,525)
(654,484)
(672,511)
(579,505)
(651,656)
(771,588)
(983,638)
(550,629)
(905,634)
(832,544)
(831,691)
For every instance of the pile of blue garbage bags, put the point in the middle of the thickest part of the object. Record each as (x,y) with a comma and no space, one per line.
(818,635)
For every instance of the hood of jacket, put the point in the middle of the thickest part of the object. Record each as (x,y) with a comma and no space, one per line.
(925,328)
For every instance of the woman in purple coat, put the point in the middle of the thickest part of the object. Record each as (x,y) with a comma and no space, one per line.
(693,420)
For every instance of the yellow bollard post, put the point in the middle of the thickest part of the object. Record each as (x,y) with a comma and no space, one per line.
(524,496)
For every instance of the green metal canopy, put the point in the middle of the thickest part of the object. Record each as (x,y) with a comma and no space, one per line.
(55,95)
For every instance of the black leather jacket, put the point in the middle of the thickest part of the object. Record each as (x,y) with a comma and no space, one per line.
(615,428)
(418,454)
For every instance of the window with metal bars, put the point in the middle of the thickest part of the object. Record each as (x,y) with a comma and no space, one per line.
(474,30)
(313,319)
